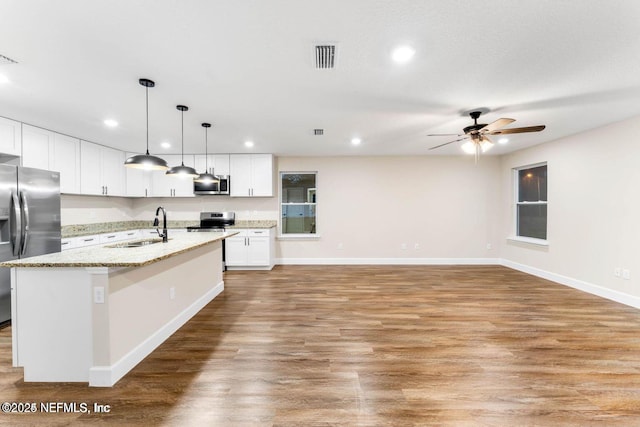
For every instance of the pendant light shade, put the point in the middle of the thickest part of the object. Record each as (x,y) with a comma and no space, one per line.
(146,161)
(206,177)
(182,171)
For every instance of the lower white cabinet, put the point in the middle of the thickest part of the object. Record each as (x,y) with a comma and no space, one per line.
(251,249)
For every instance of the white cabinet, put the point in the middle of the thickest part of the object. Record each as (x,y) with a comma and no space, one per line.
(251,175)
(44,149)
(102,170)
(37,144)
(218,164)
(251,249)
(163,185)
(138,181)
(10,137)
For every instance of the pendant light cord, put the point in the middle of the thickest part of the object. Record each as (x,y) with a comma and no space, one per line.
(147,108)
(182,156)
(206,151)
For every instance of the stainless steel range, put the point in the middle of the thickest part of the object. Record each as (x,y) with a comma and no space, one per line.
(215,222)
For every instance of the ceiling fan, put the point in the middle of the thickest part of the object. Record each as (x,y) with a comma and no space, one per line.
(478,141)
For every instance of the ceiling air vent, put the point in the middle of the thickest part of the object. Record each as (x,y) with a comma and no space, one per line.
(6,60)
(325,55)
(318,132)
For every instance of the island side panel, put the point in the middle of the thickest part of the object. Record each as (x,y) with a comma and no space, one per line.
(145,305)
(53,317)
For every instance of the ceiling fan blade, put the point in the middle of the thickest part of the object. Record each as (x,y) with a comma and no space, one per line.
(447,143)
(446,134)
(517,130)
(500,123)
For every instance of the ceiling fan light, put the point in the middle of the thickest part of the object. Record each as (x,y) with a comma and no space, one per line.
(469,147)
(486,144)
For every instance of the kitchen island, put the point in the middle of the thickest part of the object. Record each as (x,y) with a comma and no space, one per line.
(92,314)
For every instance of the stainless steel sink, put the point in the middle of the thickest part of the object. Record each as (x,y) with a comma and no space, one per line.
(135,243)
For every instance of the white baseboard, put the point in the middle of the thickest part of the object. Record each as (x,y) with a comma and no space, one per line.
(107,376)
(388,261)
(590,288)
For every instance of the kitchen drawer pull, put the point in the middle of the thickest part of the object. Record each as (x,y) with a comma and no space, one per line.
(88,240)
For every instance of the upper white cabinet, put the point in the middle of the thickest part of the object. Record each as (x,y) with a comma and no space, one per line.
(251,175)
(102,170)
(218,164)
(163,185)
(44,149)
(10,137)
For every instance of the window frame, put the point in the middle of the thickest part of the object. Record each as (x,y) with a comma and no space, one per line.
(296,236)
(516,203)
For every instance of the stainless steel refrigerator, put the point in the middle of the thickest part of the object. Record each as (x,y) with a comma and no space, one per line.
(29,221)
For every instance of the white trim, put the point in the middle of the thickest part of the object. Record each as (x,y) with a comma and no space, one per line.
(591,288)
(388,261)
(107,376)
(531,240)
(298,237)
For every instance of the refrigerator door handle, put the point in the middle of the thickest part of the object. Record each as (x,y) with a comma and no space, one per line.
(25,230)
(16,226)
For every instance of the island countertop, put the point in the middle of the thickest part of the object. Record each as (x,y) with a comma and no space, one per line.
(112,256)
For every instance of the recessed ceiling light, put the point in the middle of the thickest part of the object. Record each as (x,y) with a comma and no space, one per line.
(402,54)
(111,123)
(165,145)
(248,144)
(356,141)
(503,140)
(4,79)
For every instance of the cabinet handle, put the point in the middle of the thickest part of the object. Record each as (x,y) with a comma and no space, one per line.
(88,240)
(249,191)
(106,190)
(103,190)
(110,237)
(145,192)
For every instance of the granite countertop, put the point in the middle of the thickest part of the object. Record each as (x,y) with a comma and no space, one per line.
(106,256)
(78,230)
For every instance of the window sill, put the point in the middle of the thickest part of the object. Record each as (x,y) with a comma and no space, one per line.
(298,237)
(531,240)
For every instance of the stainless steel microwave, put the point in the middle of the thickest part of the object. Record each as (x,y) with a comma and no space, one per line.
(213,188)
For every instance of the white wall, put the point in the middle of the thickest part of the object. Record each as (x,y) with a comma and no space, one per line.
(372,205)
(94,209)
(593,211)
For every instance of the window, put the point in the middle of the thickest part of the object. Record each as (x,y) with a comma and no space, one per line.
(298,203)
(531,201)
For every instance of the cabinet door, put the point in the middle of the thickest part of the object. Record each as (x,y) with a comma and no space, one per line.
(36,146)
(199,163)
(240,174)
(90,169)
(138,181)
(183,187)
(10,137)
(113,171)
(163,185)
(220,164)
(258,251)
(236,250)
(65,158)
(261,175)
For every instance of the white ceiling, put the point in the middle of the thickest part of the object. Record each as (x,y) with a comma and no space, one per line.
(247,67)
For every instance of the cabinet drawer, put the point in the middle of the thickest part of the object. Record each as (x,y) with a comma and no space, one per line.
(262,232)
(88,241)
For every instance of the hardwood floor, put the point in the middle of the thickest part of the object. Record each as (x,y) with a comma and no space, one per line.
(374,346)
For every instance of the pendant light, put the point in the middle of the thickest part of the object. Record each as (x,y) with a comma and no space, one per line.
(206,177)
(146,161)
(182,171)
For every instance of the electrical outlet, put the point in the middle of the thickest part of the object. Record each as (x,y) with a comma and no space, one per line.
(403,246)
(489,246)
(340,245)
(98,295)
(617,272)
(416,246)
(626,274)
(172,293)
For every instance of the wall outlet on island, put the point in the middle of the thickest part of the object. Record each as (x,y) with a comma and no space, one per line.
(172,293)
(403,246)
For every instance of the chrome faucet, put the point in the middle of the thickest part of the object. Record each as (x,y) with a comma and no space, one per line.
(156,223)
